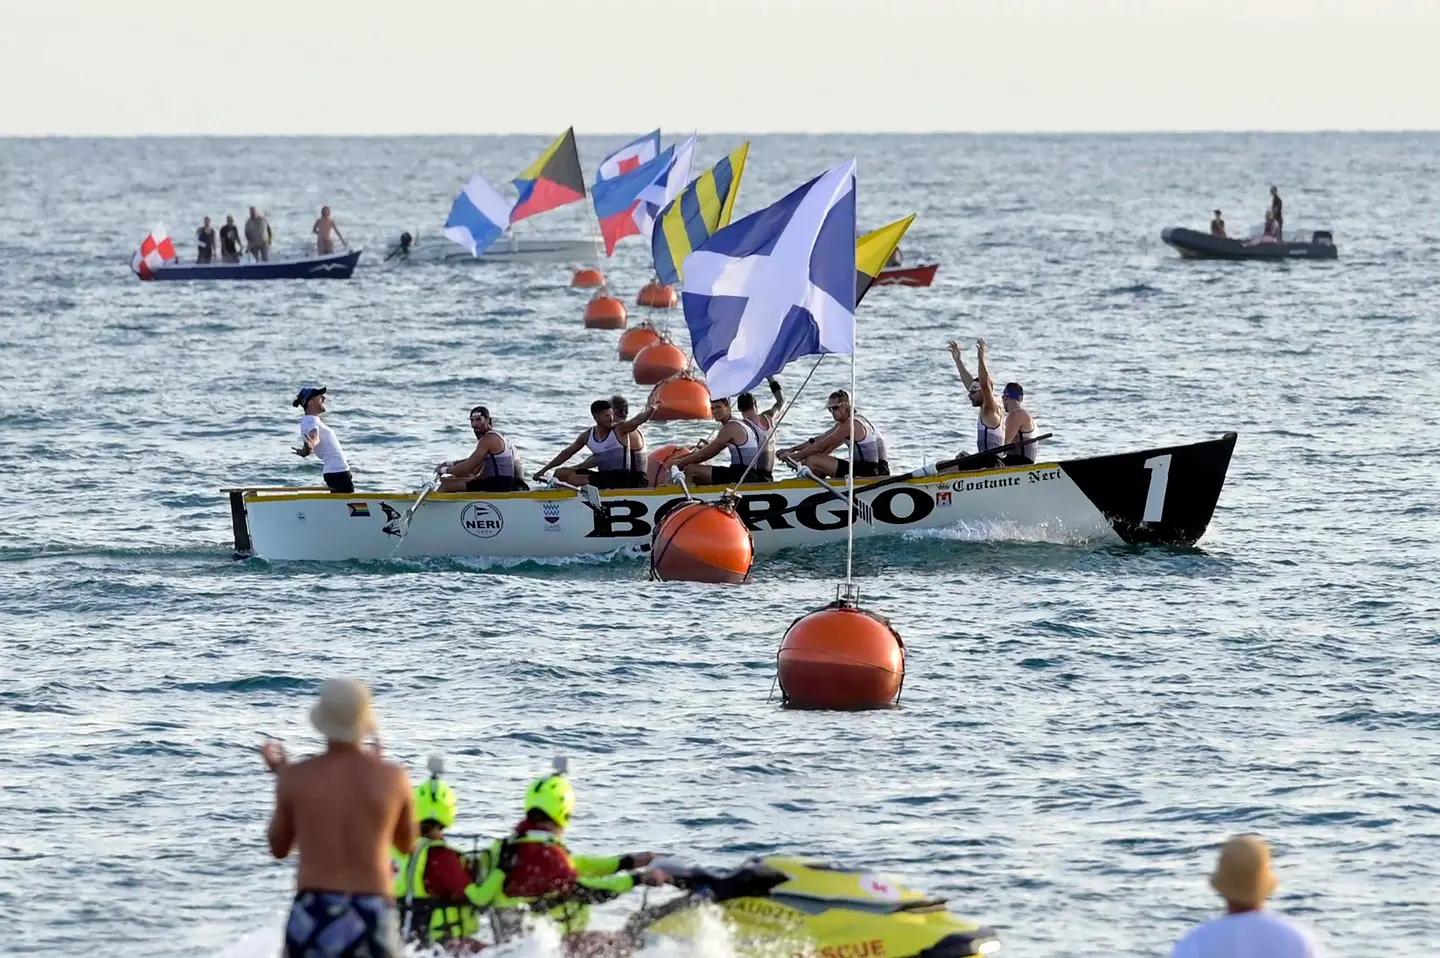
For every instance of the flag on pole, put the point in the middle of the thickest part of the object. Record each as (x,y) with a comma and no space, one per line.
(552,180)
(653,198)
(634,154)
(872,252)
(478,216)
(617,199)
(155,251)
(700,209)
(777,285)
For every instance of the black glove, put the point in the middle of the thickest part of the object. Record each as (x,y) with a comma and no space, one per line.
(774,387)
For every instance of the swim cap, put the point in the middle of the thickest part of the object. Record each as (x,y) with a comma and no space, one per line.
(1014,391)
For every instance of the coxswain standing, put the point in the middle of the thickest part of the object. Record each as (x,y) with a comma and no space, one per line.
(494,466)
(990,421)
(205,240)
(344,809)
(320,439)
(867,453)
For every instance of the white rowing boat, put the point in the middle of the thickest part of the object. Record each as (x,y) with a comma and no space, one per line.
(1154,496)
(508,249)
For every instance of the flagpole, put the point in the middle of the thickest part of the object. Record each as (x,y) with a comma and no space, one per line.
(850,483)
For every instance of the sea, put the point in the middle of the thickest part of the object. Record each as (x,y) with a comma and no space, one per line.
(1081,723)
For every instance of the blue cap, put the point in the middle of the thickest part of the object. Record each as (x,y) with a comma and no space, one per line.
(1014,391)
(306,394)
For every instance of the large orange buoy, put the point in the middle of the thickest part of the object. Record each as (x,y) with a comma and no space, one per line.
(605,312)
(702,542)
(659,460)
(658,362)
(681,397)
(637,338)
(587,278)
(841,657)
(657,295)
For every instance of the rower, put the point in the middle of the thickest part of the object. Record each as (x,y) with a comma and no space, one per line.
(763,423)
(745,441)
(609,446)
(990,422)
(867,453)
(1217,226)
(494,466)
(632,441)
(1019,427)
(320,439)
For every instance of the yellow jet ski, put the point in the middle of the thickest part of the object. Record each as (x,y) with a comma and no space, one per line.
(814,910)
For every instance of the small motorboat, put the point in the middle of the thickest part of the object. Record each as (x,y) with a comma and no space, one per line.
(509,249)
(330,266)
(1193,244)
(907,275)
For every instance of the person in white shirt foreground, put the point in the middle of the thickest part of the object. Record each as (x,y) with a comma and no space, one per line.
(1244,878)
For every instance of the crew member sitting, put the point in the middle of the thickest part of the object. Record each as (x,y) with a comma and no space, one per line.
(1019,428)
(538,873)
(609,444)
(867,454)
(437,897)
(494,466)
(745,440)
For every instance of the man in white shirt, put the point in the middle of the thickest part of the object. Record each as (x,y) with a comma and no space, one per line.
(1244,878)
(320,439)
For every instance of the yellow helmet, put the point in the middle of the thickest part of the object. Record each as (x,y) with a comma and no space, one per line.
(434,799)
(553,796)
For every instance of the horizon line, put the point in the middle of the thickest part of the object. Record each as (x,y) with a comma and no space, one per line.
(1197,131)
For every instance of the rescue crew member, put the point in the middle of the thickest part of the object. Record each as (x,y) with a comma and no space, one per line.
(990,421)
(867,454)
(608,442)
(436,894)
(1217,225)
(1019,427)
(745,440)
(320,439)
(538,873)
(494,466)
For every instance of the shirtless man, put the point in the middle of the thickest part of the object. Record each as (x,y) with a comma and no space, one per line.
(344,809)
(746,444)
(257,236)
(323,229)
(990,422)
(1019,427)
(609,444)
(868,453)
(494,466)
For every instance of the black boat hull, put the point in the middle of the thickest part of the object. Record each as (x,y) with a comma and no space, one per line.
(1192,244)
(333,266)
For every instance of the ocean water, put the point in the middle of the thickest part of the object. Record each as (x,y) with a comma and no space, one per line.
(1079,726)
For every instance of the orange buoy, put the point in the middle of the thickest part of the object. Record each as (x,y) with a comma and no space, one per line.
(841,657)
(658,362)
(657,295)
(702,542)
(660,459)
(681,397)
(637,338)
(605,312)
(587,278)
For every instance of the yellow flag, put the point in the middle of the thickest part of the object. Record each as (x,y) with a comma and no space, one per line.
(873,250)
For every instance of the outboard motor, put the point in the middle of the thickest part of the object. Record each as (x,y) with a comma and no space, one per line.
(1322,238)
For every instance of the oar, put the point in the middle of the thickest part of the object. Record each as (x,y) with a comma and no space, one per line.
(862,508)
(930,470)
(588,494)
(402,524)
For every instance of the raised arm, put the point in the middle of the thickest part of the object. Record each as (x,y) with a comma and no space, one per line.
(630,425)
(565,454)
(988,402)
(959,358)
(779,395)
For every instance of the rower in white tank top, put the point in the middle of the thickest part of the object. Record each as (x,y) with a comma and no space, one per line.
(745,453)
(610,453)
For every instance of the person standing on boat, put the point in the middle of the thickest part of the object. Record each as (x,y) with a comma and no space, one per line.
(1217,226)
(323,229)
(345,809)
(318,438)
(1244,878)
(205,239)
(867,455)
(1019,427)
(230,241)
(609,444)
(745,441)
(257,236)
(990,421)
(1277,213)
(494,466)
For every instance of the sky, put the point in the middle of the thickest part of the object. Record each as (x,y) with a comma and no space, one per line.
(108,67)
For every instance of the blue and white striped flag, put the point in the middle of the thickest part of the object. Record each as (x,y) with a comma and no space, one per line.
(653,198)
(776,285)
(478,217)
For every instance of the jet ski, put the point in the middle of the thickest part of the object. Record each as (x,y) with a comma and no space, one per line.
(812,910)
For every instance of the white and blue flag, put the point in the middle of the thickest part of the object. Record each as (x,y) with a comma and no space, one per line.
(478,217)
(654,198)
(776,285)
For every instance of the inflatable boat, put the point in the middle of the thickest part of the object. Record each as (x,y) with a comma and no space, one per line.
(1192,244)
